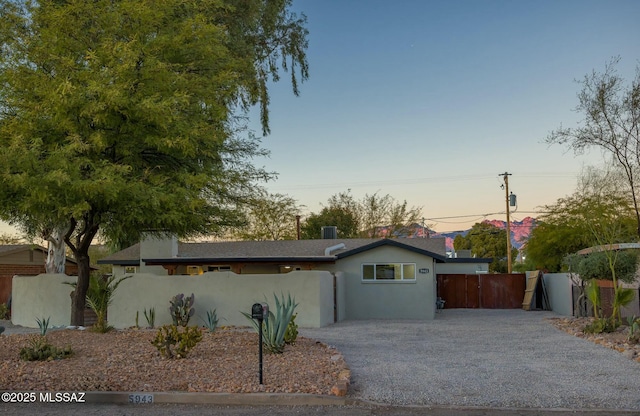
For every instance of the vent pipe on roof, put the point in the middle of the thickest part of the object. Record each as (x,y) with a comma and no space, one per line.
(328,250)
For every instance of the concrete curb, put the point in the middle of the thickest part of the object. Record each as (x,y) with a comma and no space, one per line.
(223,399)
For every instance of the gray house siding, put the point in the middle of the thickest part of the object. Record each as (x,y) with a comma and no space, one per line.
(387,299)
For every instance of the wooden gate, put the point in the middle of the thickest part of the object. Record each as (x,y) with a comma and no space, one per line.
(489,291)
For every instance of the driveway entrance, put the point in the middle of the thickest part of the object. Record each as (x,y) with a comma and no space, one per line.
(482,357)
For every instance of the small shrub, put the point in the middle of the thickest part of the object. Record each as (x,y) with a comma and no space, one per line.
(43,324)
(181,309)
(39,349)
(634,330)
(150,317)
(211,323)
(600,325)
(173,342)
(4,311)
(291,334)
(1,329)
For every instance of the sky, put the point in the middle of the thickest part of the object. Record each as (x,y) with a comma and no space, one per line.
(431,101)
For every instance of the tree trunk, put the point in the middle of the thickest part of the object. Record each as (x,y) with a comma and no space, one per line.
(56,256)
(79,299)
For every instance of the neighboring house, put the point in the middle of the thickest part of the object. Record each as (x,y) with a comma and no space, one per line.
(25,260)
(378,278)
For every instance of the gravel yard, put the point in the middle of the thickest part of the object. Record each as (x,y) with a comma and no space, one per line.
(485,358)
(470,358)
(225,361)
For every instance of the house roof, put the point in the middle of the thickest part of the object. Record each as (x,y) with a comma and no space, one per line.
(14,248)
(7,249)
(279,251)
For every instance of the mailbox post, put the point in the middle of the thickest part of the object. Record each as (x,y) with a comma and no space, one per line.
(260,311)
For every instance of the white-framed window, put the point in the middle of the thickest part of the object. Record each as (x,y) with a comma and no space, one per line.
(388,272)
(218,268)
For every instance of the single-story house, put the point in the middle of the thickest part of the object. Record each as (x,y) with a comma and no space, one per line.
(26,260)
(378,278)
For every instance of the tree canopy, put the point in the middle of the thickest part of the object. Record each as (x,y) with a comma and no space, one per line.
(370,217)
(130,115)
(485,240)
(269,217)
(611,110)
(598,212)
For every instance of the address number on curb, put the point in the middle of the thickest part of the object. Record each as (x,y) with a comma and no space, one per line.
(140,398)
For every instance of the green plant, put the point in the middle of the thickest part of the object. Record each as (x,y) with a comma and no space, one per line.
(150,317)
(173,342)
(39,349)
(211,323)
(592,291)
(1,329)
(43,324)
(621,297)
(291,333)
(181,309)
(634,330)
(100,296)
(600,325)
(275,325)
(4,311)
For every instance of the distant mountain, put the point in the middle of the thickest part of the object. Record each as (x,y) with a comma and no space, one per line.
(520,232)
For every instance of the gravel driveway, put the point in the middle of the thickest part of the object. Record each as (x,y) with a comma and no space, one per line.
(482,357)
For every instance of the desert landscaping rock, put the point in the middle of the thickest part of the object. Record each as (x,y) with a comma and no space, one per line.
(224,361)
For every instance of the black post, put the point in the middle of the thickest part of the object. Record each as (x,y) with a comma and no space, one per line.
(258,312)
(260,349)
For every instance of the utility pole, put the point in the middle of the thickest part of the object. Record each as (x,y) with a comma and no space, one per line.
(506,190)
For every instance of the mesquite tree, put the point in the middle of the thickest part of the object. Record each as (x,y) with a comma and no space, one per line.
(119,116)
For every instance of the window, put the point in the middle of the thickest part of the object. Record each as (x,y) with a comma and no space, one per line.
(218,268)
(130,269)
(389,272)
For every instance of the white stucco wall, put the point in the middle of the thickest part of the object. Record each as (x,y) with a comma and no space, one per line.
(46,296)
(43,296)
(558,287)
(226,292)
(388,299)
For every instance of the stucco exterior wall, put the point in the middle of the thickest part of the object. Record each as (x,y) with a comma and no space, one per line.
(341,299)
(46,296)
(42,296)
(388,299)
(226,292)
(558,287)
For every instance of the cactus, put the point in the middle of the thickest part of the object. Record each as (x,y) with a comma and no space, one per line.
(181,309)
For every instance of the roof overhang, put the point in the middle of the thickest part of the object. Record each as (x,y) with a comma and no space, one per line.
(228,260)
(390,242)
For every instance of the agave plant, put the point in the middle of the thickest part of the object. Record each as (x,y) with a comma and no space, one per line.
(275,325)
